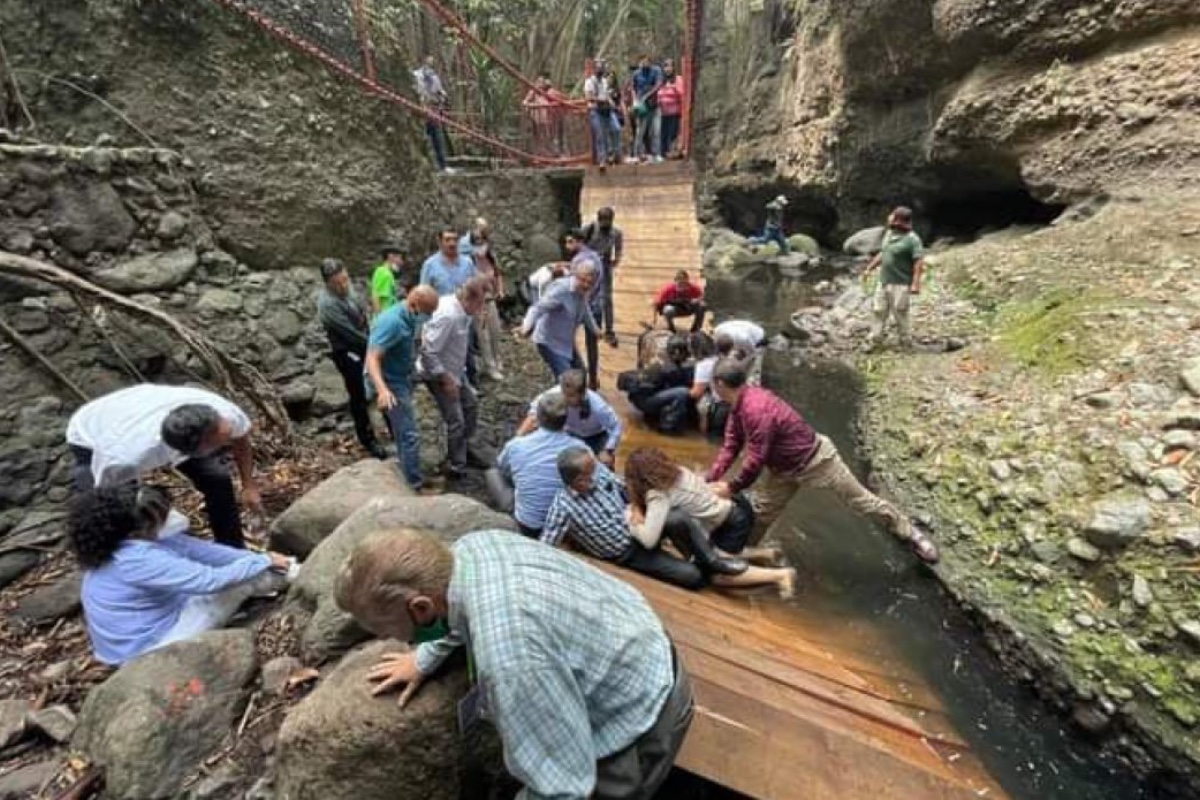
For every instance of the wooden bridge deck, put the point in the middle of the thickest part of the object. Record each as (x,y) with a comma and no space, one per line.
(787,707)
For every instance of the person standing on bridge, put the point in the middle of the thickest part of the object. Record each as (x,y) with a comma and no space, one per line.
(554,319)
(435,100)
(671,98)
(602,114)
(580,680)
(605,239)
(774,436)
(647,79)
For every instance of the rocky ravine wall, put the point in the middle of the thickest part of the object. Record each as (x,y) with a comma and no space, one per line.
(131,221)
(857,106)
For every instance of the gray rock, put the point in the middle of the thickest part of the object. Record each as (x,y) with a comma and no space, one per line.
(29,321)
(1185,419)
(1046,551)
(171,226)
(330,396)
(330,630)
(1103,399)
(1190,629)
(16,563)
(1084,620)
(219,301)
(13,713)
(866,242)
(314,516)
(1171,479)
(57,722)
(297,394)
(331,743)
(275,673)
(1117,521)
(284,326)
(804,244)
(1156,494)
(27,781)
(1063,629)
(1000,470)
(1189,376)
(1142,595)
(540,249)
(1082,550)
(153,272)
(90,217)
(1181,440)
(156,719)
(1137,460)
(50,603)
(1187,538)
(1150,395)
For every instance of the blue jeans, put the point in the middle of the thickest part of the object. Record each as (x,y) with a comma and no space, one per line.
(773,234)
(557,362)
(606,135)
(437,138)
(402,418)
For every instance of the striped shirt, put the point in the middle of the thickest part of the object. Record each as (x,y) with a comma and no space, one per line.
(594,519)
(531,463)
(600,419)
(574,663)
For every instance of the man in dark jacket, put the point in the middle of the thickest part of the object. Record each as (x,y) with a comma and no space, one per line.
(344,319)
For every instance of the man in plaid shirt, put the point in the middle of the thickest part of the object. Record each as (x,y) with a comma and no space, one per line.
(571,666)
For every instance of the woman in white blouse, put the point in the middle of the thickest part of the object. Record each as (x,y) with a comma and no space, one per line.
(659,488)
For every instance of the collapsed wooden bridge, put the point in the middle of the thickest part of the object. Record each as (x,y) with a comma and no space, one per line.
(787,707)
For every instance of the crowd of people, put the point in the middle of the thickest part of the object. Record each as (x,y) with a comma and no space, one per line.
(597,663)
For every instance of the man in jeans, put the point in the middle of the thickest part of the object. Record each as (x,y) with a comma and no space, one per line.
(903,261)
(445,341)
(605,239)
(552,321)
(606,127)
(775,436)
(391,353)
(647,80)
(345,322)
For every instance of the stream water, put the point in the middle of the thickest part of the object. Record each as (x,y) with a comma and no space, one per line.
(857,580)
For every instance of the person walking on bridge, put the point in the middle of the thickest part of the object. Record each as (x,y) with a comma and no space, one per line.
(607,241)
(434,99)
(553,320)
(774,436)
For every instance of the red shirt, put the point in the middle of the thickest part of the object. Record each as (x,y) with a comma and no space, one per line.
(671,294)
(774,434)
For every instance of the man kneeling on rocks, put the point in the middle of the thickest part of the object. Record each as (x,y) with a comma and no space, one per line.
(775,436)
(582,683)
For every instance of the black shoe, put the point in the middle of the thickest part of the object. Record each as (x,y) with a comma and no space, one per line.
(379,451)
(728,565)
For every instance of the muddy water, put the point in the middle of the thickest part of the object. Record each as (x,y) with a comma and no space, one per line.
(856,579)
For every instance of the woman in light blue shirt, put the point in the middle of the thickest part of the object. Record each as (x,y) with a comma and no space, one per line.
(146,583)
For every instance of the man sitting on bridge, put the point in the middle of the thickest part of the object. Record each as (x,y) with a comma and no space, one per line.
(661,391)
(775,436)
(526,477)
(680,298)
(590,418)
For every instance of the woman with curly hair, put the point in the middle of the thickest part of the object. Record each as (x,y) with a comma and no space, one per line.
(146,583)
(660,489)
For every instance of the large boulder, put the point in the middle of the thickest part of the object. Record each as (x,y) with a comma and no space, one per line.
(90,217)
(866,242)
(803,243)
(153,272)
(342,742)
(330,389)
(541,249)
(315,515)
(156,719)
(329,630)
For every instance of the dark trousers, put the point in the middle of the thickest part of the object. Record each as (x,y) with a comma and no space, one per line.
(693,309)
(670,132)
(460,415)
(211,477)
(667,410)
(437,137)
(595,442)
(734,532)
(607,303)
(663,566)
(638,771)
(350,365)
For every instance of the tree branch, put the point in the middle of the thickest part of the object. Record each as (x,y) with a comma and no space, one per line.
(20,341)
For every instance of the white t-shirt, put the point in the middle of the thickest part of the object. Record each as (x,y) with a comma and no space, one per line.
(745,335)
(702,373)
(124,429)
(595,88)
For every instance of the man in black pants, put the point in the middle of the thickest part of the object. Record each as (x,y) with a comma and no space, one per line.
(344,319)
(606,240)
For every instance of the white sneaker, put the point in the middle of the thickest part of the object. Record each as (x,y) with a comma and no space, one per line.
(495,375)
(658,159)
(450,171)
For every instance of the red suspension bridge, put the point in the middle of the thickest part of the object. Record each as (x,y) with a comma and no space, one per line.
(549,129)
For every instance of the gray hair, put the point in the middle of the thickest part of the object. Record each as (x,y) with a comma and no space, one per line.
(552,411)
(583,268)
(474,290)
(185,427)
(571,463)
(731,372)
(573,381)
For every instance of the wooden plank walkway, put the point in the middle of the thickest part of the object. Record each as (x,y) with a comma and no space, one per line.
(788,708)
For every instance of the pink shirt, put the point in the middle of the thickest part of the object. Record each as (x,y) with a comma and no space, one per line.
(670,97)
(774,434)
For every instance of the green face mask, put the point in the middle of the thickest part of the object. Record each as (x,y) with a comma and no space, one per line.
(432,632)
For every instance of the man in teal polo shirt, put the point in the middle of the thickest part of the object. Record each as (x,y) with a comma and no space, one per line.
(391,355)
(903,261)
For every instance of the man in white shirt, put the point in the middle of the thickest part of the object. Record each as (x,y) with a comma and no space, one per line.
(121,436)
(606,126)
(746,336)
(445,341)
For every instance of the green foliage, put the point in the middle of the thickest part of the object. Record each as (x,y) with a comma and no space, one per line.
(1047,333)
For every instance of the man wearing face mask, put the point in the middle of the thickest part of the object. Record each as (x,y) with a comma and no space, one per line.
(391,355)
(384,290)
(581,683)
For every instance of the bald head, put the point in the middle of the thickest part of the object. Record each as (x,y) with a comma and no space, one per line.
(423,299)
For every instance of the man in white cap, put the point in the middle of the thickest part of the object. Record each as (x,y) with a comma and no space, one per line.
(773,229)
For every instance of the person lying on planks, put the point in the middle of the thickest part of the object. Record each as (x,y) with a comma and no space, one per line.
(591,511)
(659,487)
(526,478)
(590,418)
(121,436)
(581,681)
(680,298)
(774,436)
(146,583)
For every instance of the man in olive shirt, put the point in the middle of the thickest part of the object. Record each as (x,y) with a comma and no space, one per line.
(383,281)
(903,261)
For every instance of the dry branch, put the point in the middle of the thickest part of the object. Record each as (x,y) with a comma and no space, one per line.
(234,376)
(20,341)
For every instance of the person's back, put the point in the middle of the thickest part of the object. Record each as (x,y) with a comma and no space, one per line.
(530,460)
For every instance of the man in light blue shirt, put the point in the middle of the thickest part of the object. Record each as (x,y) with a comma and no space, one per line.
(552,321)
(589,416)
(447,269)
(528,478)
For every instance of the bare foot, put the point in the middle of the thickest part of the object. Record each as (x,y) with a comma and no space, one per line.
(787,584)
(769,556)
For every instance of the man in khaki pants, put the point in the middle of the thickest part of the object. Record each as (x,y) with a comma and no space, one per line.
(903,261)
(774,436)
